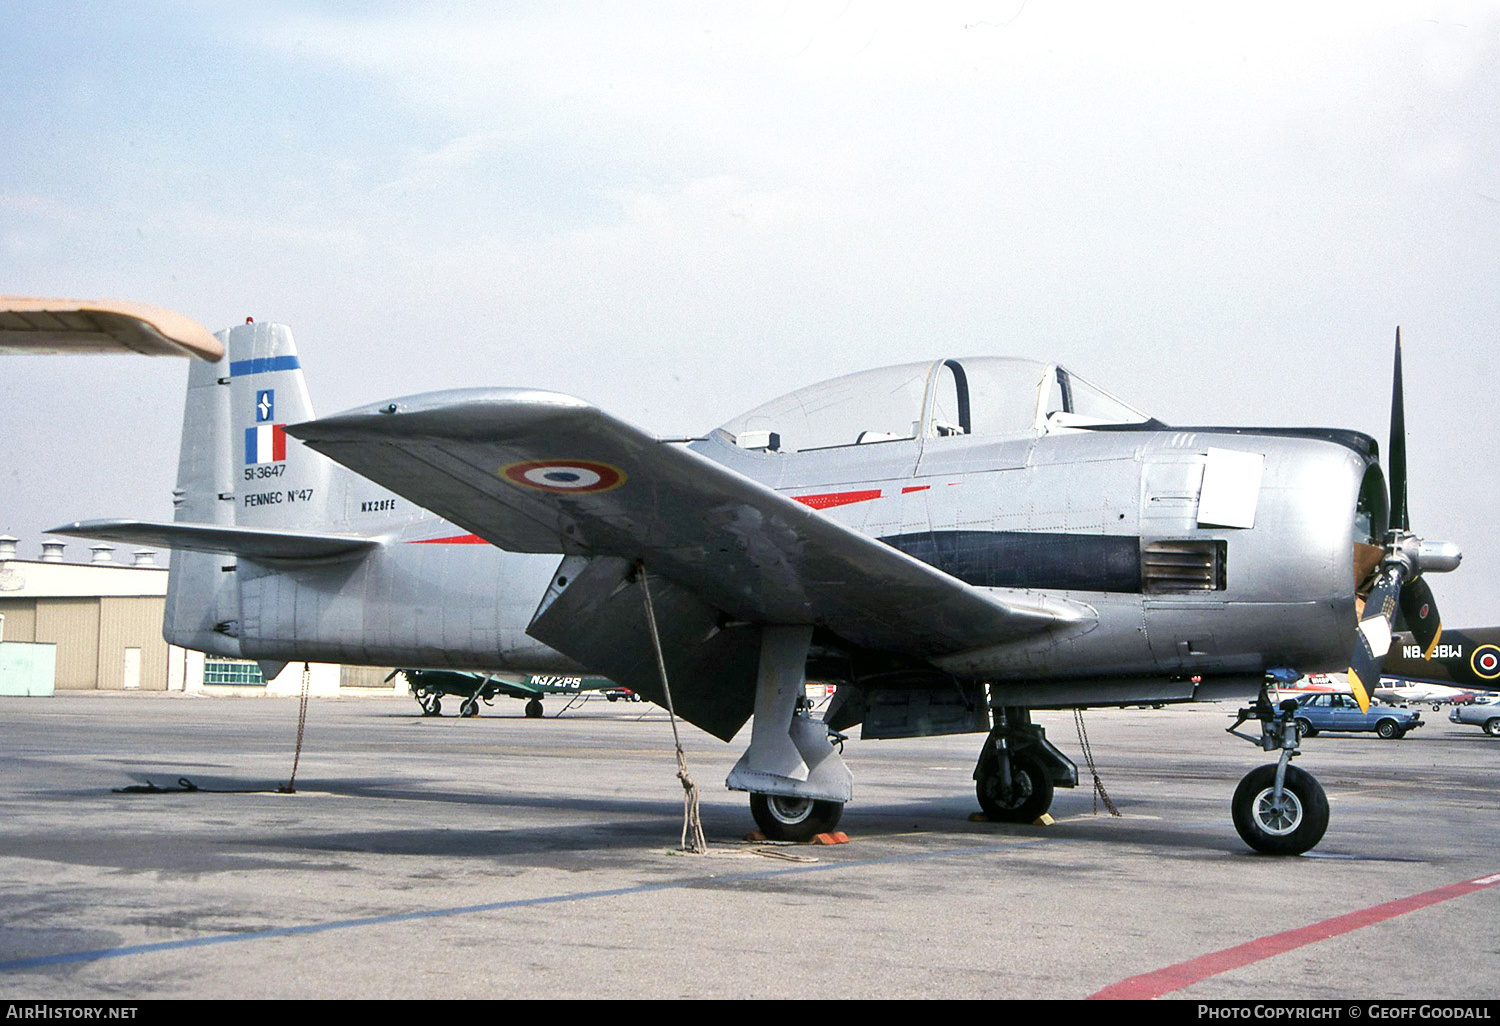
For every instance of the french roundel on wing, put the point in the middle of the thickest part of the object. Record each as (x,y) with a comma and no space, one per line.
(564,476)
(1486,661)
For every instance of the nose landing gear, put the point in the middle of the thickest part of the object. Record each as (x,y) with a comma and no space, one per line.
(1278,809)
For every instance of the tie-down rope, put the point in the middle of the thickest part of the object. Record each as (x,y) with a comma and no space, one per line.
(692,820)
(1088,755)
(290,787)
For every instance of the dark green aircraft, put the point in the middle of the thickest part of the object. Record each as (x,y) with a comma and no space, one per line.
(1465,658)
(430,686)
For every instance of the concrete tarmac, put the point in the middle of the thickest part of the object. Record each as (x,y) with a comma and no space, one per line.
(502,857)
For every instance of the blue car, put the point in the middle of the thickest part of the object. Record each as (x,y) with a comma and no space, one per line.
(1316,713)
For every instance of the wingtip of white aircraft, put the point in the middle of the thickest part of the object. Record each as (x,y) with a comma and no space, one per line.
(35,325)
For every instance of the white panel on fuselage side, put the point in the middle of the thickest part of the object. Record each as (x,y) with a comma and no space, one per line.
(1231,488)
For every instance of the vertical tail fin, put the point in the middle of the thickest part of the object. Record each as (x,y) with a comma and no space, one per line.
(202,600)
(280,482)
(237,466)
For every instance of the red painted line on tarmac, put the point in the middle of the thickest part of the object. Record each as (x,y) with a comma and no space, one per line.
(457,539)
(914,488)
(1175,977)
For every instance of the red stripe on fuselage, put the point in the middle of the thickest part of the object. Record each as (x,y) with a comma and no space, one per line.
(828,500)
(457,539)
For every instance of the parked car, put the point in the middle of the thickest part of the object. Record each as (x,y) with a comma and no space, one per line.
(1484,712)
(1317,713)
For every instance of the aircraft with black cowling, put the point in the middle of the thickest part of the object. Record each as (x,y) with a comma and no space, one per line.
(429,687)
(955,543)
(1466,661)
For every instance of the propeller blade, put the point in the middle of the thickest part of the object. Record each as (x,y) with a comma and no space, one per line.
(1373,639)
(1420,613)
(1397,456)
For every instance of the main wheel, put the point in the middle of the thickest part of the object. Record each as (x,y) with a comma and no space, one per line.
(1388,729)
(1290,826)
(784,818)
(1029,794)
(534,709)
(469,708)
(1305,728)
(1492,727)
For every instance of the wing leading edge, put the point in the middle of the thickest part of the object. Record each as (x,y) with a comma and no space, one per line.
(543,472)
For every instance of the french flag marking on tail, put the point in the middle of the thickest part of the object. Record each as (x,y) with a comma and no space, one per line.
(265,443)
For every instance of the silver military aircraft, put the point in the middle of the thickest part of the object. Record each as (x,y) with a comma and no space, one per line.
(955,543)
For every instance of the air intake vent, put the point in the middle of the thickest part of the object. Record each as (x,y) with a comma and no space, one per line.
(1178,566)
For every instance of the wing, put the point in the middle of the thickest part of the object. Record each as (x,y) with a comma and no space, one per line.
(101,326)
(543,472)
(251,542)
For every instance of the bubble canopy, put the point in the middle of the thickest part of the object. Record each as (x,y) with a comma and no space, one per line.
(985,396)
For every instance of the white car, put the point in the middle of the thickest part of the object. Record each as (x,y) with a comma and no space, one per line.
(1484,712)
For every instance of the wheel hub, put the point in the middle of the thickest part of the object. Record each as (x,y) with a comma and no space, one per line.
(790,810)
(1278,816)
(1013,796)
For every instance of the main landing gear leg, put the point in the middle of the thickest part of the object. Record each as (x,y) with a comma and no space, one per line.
(798,784)
(1018,768)
(1278,809)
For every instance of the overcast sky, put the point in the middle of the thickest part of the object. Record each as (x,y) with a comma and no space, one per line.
(679,211)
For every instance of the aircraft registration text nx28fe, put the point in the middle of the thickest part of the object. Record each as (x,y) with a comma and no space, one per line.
(955,542)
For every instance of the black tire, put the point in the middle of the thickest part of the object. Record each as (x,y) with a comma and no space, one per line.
(1291,829)
(534,709)
(432,705)
(1436,707)
(1492,727)
(469,708)
(782,818)
(1030,794)
(1305,729)
(1388,729)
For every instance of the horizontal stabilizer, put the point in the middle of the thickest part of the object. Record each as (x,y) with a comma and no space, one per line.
(251,542)
(101,326)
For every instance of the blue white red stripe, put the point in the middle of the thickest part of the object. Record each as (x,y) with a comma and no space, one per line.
(265,443)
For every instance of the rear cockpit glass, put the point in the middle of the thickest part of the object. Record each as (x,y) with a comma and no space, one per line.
(858,409)
(980,396)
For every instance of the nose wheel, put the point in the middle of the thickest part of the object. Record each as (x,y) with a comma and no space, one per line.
(1278,809)
(1288,821)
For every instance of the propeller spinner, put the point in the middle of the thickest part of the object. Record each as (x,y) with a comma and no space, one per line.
(1399,584)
